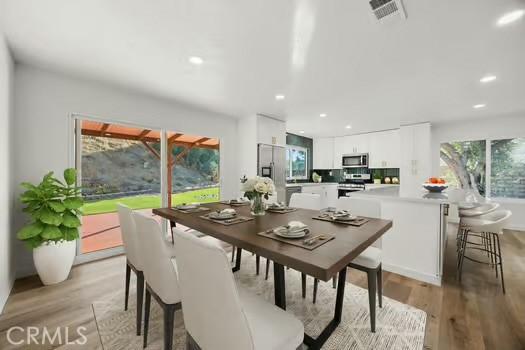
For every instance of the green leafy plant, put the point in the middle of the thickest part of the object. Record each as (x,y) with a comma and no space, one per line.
(54,207)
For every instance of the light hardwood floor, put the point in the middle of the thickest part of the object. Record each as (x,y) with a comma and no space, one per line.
(471,315)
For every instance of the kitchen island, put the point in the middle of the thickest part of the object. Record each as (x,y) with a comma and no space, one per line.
(414,247)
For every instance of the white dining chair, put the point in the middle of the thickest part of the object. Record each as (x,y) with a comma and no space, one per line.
(160,275)
(306,201)
(310,201)
(491,225)
(218,314)
(133,259)
(369,260)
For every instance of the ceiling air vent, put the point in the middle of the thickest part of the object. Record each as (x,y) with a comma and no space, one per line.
(384,9)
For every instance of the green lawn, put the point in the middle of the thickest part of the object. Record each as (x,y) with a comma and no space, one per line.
(205,195)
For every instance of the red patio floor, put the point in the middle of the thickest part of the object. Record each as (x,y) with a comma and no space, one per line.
(102,231)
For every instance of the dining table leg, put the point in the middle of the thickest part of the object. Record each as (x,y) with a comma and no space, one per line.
(318,342)
(279,285)
(237,266)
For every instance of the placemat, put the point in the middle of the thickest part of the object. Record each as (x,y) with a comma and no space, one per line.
(235,204)
(236,220)
(283,211)
(189,211)
(298,242)
(360,221)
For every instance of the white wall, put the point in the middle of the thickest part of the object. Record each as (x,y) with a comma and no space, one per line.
(247,136)
(44,101)
(506,126)
(6,195)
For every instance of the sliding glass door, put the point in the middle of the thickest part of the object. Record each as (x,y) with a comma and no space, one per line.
(141,167)
(117,164)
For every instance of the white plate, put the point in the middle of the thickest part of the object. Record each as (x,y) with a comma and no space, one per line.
(187,206)
(345,218)
(219,216)
(286,234)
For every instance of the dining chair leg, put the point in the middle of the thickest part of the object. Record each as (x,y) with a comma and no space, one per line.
(267,268)
(128,277)
(371,274)
(233,253)
(147,307)
(140,299)
(380,285)
(303,284)
(257,264)
(169,320)
(334,282)
(500,262)
(316,283)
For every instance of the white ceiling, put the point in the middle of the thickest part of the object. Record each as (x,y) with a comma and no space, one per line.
(326,56)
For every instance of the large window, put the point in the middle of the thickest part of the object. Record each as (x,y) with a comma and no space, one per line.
(296,162)
(463,164)
(507,171)
(495,168)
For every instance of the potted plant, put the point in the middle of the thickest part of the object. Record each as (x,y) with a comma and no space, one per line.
(54,208)
(377,178)
(255,189)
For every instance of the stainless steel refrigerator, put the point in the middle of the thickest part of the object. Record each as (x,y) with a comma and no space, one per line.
(271,162)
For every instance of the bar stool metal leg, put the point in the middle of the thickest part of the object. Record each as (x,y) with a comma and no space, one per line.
(500,263)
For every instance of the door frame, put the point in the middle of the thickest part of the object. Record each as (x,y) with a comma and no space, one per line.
(75,154)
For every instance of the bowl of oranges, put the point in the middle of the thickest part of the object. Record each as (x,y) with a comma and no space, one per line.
(435,184)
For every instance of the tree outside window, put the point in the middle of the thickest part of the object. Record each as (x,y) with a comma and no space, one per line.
(463,164)
(508,168)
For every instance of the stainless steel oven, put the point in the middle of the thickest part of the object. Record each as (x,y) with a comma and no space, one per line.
(356,160)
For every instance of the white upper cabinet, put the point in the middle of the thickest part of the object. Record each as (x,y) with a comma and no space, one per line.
(271,131)
(323,153)
(339,150)
(416,154)
(356,144)
(384,150)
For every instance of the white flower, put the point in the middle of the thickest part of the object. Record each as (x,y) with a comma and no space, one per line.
(261,187)
(248,186)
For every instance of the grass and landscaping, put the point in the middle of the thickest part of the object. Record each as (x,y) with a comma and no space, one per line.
(205,195)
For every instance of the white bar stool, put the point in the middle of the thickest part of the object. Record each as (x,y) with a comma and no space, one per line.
(474,212)
(491,225)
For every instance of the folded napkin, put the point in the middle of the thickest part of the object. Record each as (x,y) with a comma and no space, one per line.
(277,205)
(228,211)
(296,226)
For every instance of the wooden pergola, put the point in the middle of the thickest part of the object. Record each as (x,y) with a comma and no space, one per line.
(147,136)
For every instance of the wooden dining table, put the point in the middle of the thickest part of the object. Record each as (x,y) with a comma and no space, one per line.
(323,262)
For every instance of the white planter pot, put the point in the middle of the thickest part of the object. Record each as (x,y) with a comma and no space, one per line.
(53,261)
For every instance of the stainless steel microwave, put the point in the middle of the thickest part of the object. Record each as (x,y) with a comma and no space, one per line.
(356,160)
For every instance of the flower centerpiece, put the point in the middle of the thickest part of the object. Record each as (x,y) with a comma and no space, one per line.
(256,190)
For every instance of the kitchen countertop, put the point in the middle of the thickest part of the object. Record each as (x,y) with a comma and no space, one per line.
(301,184)
(395,193)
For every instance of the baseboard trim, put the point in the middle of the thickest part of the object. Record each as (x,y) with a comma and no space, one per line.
(403,271)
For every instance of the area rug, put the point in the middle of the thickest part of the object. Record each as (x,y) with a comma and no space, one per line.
(398,326)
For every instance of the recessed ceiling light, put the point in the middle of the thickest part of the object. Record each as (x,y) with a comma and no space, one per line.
(301,132)
(348,126)
(488,78)
(323,115)
(480,105)
(195,60)
(510,17)
(279,97)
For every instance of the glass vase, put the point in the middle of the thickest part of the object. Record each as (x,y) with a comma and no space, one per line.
(258,208)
